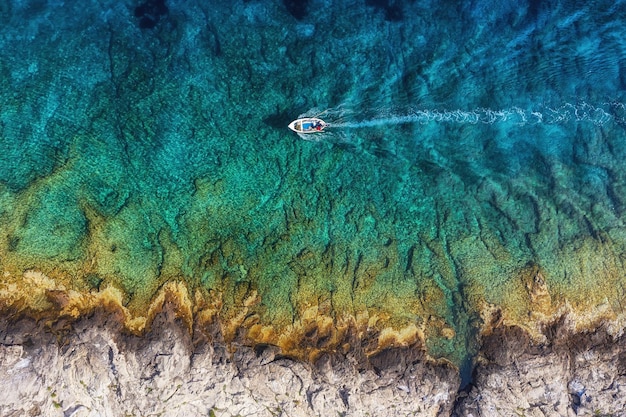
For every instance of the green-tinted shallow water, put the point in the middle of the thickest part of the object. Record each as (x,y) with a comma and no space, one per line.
(135,156)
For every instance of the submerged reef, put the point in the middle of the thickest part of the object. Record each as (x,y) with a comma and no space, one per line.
(469,186)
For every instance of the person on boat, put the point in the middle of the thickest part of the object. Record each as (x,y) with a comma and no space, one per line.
(318,126)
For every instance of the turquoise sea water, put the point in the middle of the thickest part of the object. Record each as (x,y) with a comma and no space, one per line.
(148,141)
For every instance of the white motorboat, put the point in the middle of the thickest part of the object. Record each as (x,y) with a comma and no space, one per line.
(308,125)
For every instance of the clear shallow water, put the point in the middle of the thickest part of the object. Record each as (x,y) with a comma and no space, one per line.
(468,144)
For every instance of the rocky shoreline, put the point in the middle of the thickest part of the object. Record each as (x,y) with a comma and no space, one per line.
(570,374)
(93,366)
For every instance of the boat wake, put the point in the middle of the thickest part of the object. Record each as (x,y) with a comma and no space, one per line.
(343,118)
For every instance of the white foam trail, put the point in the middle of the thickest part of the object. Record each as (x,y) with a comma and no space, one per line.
(580,112)
(486,116)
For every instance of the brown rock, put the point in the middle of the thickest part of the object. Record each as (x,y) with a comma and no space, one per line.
(96,368)
(571,374)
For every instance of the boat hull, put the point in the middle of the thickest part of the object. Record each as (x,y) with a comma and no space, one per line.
(308,125)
